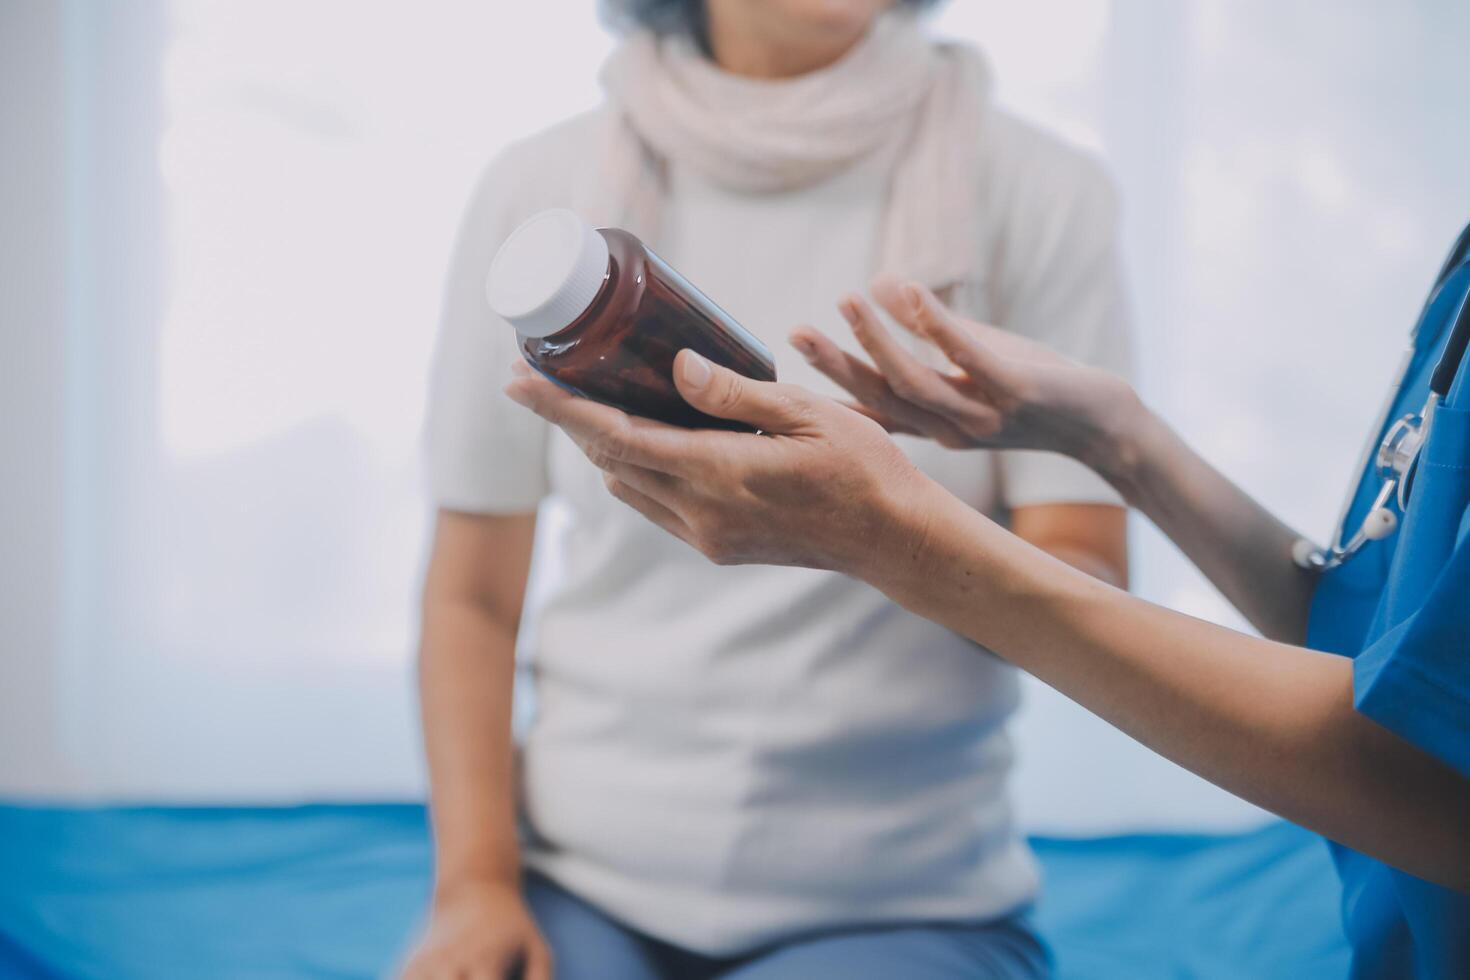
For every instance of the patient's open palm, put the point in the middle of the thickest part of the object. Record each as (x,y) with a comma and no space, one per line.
(1005,391)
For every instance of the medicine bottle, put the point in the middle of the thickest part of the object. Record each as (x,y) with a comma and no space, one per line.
(597,312)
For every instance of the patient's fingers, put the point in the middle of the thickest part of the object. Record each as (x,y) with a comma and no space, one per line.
(857,378)
(876,398)
(837,364)
(988,375)
(605,434)
(662,487)
(903,374)
(909,380)
(888,424)
(646,505)
(922,314)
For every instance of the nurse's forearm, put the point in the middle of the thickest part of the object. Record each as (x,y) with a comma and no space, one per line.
(1239,545)
(1271,722)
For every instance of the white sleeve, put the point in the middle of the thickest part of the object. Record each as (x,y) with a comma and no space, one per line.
(1060,283)
(485,453)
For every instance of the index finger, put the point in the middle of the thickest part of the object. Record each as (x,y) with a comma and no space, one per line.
(911,381)
(606,434)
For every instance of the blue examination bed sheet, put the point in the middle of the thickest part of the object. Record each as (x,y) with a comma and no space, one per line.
(337,891)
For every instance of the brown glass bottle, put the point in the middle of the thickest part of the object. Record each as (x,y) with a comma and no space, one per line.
(618,347)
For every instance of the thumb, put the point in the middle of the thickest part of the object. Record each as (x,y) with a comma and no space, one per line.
(720,392)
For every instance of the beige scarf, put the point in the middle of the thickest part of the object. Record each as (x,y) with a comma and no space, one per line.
(895,90)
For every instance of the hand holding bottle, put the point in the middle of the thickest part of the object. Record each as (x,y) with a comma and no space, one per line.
(824,487)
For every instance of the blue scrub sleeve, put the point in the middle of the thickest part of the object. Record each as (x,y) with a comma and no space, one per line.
(1415,678)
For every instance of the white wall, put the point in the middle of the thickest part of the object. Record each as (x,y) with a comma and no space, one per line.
(32,341)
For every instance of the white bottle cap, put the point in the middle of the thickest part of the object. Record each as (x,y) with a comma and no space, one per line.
(547,272)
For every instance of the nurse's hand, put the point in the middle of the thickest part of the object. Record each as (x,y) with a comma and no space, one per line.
(824,487)
(1004,391)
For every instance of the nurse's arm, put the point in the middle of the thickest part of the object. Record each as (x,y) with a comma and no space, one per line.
(826,488)
(1271,722)
(1009,392)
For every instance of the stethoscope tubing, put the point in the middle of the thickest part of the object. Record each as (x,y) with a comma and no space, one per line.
(1380,521)
(1448,367)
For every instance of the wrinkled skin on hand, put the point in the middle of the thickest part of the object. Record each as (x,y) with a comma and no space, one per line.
(819,487)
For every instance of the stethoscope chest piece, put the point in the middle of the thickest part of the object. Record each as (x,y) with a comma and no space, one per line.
(1393,463)
(1400,449)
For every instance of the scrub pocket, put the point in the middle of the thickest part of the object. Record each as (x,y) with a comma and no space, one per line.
(1435,520)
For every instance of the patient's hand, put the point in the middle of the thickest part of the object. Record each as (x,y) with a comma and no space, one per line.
(480,929)
(823,487)
(1007,391)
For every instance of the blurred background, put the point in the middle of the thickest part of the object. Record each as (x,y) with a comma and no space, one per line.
(223,229)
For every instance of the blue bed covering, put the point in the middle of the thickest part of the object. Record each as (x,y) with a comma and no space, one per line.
(337,891)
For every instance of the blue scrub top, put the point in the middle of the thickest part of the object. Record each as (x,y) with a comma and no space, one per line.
(1401,609)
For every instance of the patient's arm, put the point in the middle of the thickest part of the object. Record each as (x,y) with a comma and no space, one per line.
(1092,538)
(473,591)
(1010,392)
